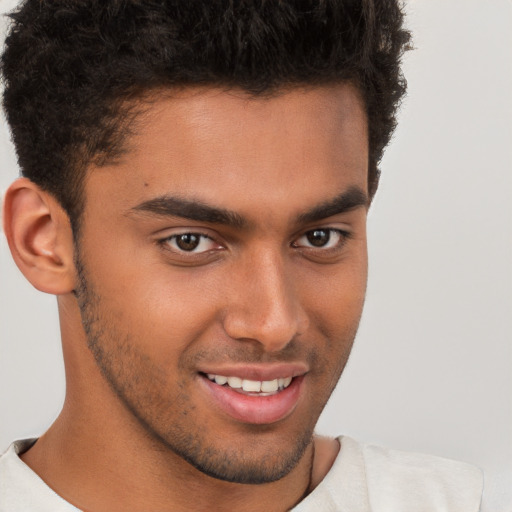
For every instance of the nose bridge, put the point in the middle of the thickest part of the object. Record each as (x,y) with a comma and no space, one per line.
(266,307)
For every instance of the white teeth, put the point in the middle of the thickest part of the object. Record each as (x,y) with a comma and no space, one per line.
(269,386)
(234,382)
(284,382)
(251,386)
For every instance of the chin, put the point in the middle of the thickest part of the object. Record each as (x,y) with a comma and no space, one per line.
(251,461)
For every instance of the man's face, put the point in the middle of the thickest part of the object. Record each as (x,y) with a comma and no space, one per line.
(223,270)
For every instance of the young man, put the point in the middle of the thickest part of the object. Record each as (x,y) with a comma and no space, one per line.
(196,182)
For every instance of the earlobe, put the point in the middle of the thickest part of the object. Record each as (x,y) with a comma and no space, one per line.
(40,237)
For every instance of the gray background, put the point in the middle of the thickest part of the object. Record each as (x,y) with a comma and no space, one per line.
(431,369)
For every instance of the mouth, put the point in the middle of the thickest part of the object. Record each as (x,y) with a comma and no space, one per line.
(246,399)
(251,387)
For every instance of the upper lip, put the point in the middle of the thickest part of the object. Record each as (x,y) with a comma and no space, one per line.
(259,371)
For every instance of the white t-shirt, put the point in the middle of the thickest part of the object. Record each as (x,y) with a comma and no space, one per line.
(363,478)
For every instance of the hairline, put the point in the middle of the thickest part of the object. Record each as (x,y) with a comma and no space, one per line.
(133,105)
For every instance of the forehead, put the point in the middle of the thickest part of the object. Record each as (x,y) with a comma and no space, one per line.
(224,147)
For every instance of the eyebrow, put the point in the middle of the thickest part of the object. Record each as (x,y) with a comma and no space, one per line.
(172,206)
(191,209)
(352,198)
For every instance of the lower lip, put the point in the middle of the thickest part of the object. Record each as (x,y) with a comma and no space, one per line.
(258,410)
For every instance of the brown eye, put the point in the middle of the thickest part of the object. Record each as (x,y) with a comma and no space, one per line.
(322,239)
(188,241)
(319,237)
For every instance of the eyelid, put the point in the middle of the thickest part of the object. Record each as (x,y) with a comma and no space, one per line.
(331,229)
(216,247)
(164,242)
(165,234)
(202,239)
(343,234)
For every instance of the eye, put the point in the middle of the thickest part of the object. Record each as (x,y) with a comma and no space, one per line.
(190,242)
(322,238)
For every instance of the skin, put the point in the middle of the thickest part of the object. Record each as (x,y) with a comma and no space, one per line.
(142,319)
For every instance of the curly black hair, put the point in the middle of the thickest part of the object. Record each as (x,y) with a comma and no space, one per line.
(73,70)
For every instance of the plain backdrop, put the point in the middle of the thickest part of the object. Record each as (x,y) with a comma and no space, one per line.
(431,370)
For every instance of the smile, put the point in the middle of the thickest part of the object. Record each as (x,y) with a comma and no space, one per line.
(253,401)
(260,387)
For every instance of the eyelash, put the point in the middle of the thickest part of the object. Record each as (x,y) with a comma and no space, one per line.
(173,238)
(343,235)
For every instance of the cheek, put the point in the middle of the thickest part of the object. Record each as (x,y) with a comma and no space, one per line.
(337,294)
(164,310)
(335,304)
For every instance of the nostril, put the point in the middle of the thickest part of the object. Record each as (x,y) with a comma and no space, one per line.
(266,308)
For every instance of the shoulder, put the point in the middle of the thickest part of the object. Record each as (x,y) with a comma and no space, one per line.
(21,490)
(398,480)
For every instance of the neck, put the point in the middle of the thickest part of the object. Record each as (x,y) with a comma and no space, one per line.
(92,467)
(98,457)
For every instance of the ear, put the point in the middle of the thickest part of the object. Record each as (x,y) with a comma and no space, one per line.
(40,238)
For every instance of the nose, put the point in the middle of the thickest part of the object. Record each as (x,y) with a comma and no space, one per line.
(264,305)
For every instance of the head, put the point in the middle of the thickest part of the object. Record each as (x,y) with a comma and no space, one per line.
(209,166)
(77,74)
